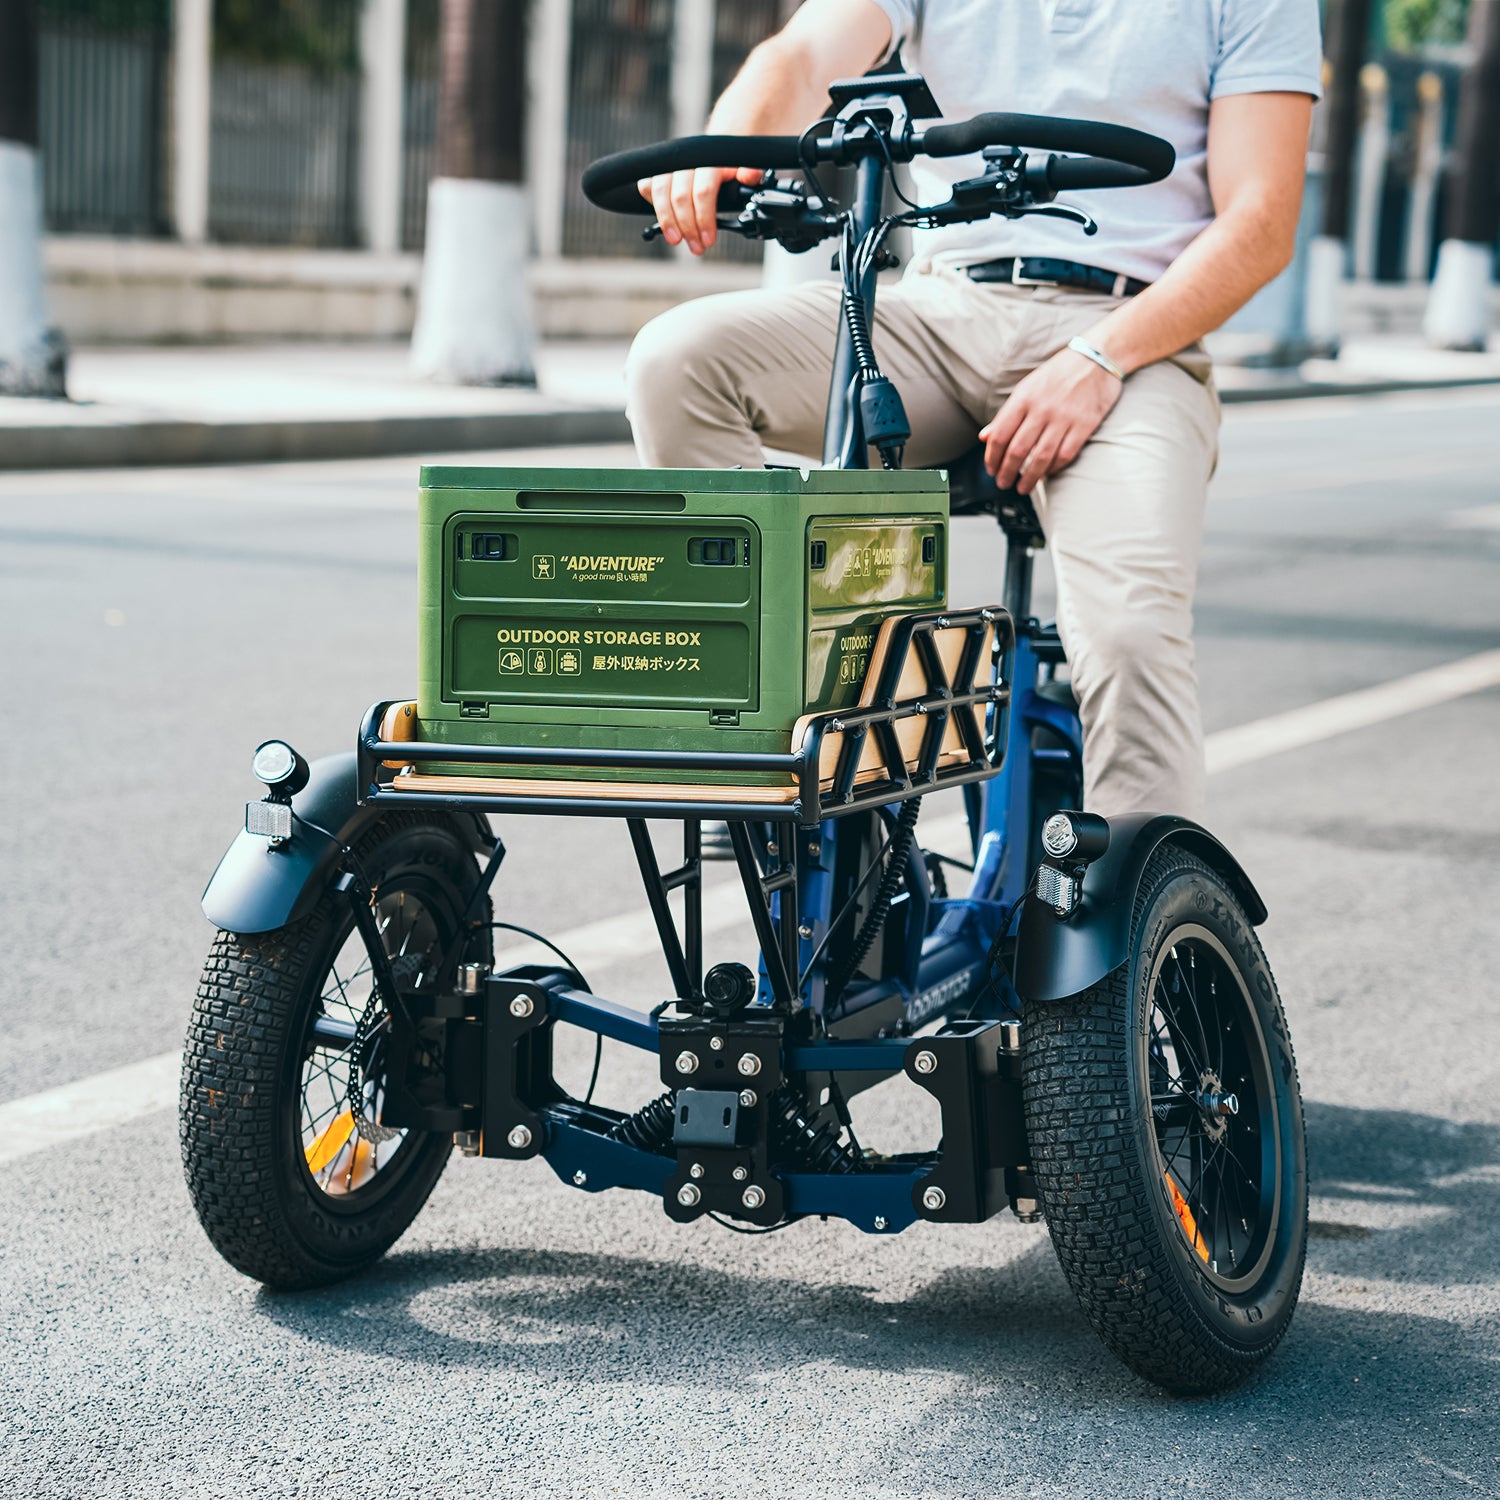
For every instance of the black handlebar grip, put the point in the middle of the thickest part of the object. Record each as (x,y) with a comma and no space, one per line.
(611,181)
(1110,155)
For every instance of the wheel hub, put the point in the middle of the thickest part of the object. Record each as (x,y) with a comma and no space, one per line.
(1216,1104)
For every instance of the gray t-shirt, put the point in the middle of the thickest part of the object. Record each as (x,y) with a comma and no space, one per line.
(1153,64)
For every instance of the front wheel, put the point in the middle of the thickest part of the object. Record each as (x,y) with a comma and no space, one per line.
(293,1176)
(1165,1123)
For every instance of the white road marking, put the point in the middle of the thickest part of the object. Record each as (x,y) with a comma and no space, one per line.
(90,1104)
(1474,518)
(38,1121)
(1321,721)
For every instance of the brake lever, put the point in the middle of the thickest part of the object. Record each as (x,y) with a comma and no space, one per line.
(1062,211)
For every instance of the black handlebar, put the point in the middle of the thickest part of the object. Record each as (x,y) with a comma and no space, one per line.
(1107,155)
(611,181)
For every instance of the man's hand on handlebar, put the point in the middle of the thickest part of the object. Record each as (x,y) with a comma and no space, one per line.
(686,203)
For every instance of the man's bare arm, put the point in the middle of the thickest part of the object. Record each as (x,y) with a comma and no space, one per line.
(1257,151)
(781,90)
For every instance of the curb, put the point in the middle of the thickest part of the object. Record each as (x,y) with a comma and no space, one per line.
(168,442)
(1304,390)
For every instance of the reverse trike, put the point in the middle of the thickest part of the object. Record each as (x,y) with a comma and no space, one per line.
(770,656)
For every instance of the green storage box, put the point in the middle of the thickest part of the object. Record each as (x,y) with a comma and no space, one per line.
(667,609)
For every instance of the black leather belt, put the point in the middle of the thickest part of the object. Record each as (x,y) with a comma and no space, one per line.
(1037,270)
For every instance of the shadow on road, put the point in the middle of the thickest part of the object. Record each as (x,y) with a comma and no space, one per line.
(1369,1385)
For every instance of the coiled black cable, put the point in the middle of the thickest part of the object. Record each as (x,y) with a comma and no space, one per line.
(885,893)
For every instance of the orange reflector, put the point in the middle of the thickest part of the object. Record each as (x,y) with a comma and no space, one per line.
(1185,1217)
(330,1143)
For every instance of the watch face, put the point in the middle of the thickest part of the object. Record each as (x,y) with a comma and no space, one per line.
(1058,836)
(273,762)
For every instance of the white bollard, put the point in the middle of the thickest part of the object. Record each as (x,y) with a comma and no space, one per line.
(33,357)
(1458,310)
(1327,260)
(1369,181)
(474,324)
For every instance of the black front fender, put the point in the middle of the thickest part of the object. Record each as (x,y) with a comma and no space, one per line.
(1057,957)
(257,888)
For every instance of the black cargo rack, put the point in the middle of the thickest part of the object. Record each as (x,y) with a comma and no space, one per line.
(898,775)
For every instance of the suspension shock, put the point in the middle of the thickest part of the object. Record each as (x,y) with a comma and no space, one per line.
(805,1137)
(650,1127)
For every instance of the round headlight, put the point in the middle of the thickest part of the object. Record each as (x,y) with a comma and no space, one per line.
(1058,835)
(280,767)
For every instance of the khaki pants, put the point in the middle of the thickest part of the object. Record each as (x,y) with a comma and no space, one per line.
(712,380)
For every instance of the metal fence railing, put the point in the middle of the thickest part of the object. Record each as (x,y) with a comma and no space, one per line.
(419,118)
(283,147)
(619,95)
(102,113)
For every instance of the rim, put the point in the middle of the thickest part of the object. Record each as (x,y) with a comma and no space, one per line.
(1214,1123)
(348,1156)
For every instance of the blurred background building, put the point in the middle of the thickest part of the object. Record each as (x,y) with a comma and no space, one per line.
(258,168)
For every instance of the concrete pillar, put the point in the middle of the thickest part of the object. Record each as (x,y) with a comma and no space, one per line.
(549,56)
(382,46)
(1369,181)
(33,357)
(692,73)
(692,65)
(1427,166)
(192,58)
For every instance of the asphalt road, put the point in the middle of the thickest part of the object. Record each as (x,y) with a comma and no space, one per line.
(525,1339)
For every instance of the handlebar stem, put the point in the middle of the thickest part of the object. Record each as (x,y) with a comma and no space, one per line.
(842,440)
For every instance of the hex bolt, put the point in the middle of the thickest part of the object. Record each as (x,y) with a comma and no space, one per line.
(467,1142)
(1027,1210)
(925,1061)
(748,1098)
(521,1007)
(1010,1036)
(519,1137)
(687,1062)
(881,1222)
(688,1195)
(580,1178)
(741,1173)
(753,1196)
(933,1198)
(716,1043)
(804,932)
(749,1064)
(470,977)
(696,1170)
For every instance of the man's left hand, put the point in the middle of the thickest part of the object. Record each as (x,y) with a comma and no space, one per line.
(1047,419)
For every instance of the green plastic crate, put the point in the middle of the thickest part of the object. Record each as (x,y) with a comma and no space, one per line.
(666,609)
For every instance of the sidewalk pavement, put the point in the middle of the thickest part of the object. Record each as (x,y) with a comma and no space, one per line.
(249,403)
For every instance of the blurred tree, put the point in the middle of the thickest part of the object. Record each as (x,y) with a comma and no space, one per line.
(318,34)
(33,358)
(1413,24)
(474,323)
